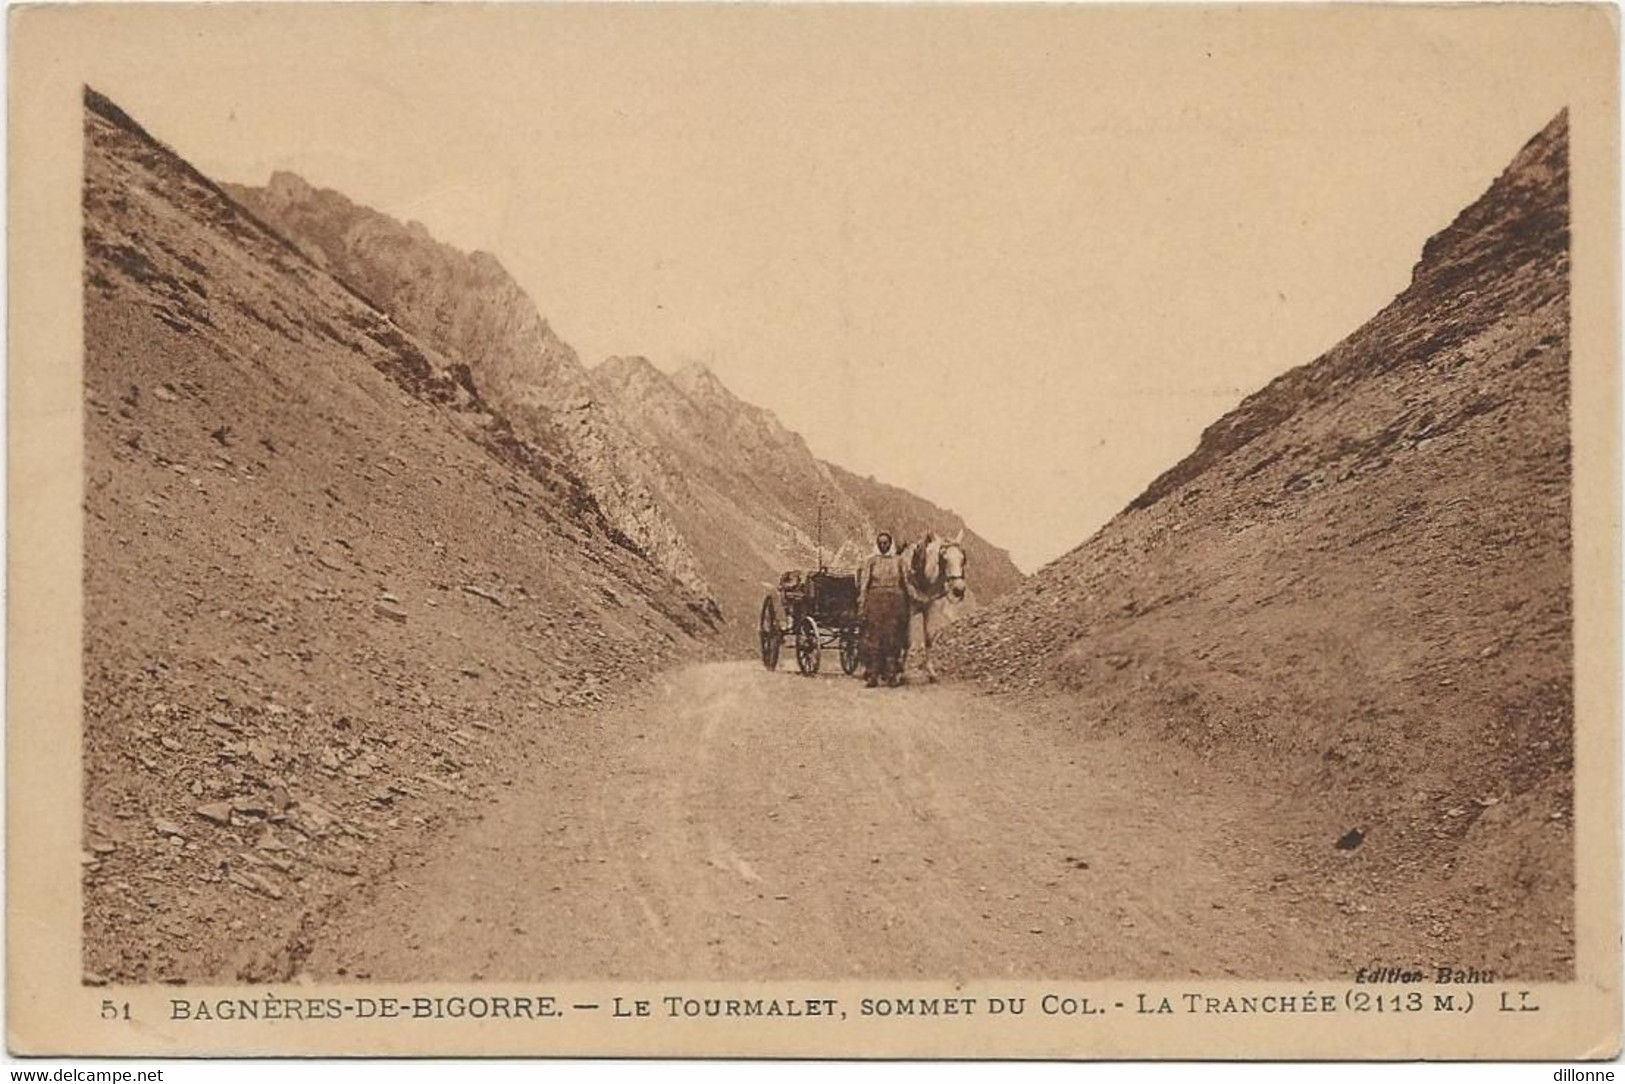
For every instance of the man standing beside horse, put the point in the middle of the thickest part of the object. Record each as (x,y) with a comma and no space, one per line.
(884,608)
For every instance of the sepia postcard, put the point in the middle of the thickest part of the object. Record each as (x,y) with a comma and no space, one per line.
(831,530)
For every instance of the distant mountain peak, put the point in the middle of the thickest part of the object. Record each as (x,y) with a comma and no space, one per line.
(621,366)
(697,381)
(285,182)
(487,261)
(639,384)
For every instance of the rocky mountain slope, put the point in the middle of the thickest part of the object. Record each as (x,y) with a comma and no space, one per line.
(748,490)
(331,593)
(468,307)
(715,489)
(992,574)
(1361,579)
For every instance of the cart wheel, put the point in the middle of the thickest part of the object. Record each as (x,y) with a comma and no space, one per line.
(849,652)
(772,630)
(807,647)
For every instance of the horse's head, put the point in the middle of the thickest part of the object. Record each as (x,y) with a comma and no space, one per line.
(951,569)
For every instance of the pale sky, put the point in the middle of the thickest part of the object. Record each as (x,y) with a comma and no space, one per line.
(1013,260)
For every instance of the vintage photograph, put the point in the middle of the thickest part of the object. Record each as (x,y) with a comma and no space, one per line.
(800,494)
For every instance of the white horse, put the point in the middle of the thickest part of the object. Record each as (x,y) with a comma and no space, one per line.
(935,579)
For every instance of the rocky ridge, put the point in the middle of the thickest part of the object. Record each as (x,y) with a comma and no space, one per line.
(468,307)
(748,490)
(715,489)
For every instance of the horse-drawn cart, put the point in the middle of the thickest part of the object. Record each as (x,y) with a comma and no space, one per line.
(815,610)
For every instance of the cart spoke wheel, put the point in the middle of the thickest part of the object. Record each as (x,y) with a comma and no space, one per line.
(807,645)
(772,632)
(849,652)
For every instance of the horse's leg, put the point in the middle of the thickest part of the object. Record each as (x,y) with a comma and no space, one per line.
(902,649)
(925,644)
(907,651)
(905,647)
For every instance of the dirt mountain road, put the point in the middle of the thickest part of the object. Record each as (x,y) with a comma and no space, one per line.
(739,824)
